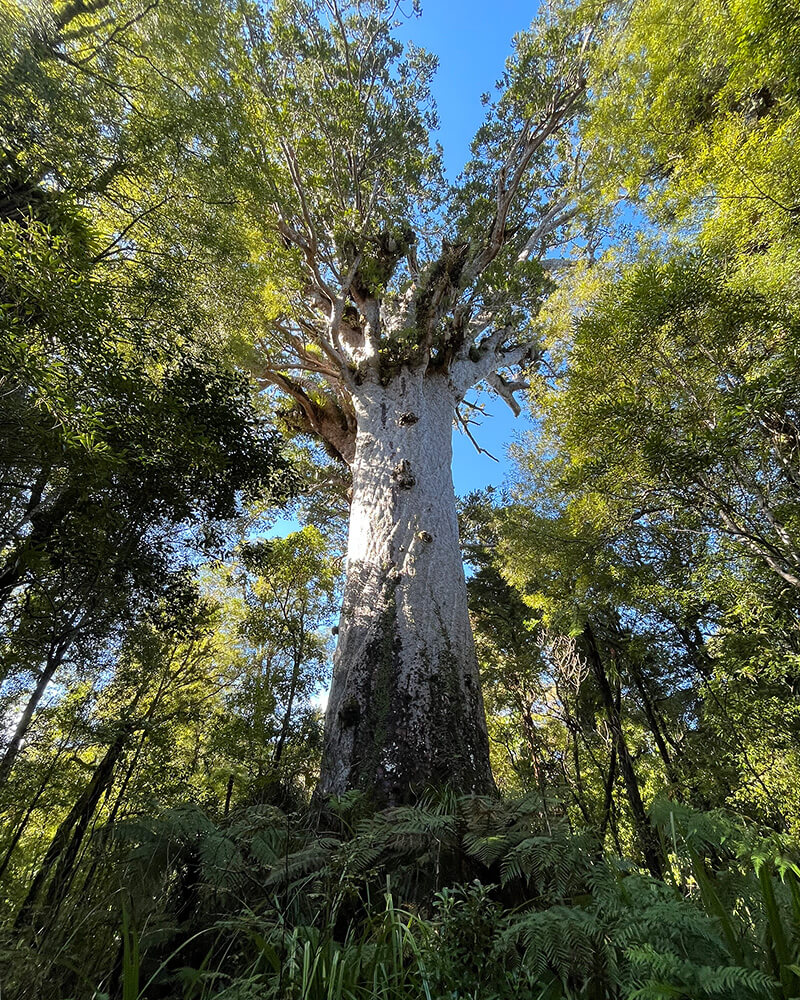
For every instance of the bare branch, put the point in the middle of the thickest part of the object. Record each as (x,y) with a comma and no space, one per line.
(107,251)
(505,389)
(493,353)
(507,188)
(549,222)
(464,423)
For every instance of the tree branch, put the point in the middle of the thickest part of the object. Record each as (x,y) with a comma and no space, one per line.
(507,189)
(328,420)
(505,389)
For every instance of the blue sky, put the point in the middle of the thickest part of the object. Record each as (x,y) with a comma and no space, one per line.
(472,39)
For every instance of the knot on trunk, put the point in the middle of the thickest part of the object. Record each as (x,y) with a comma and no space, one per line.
(402,475)
(407,419)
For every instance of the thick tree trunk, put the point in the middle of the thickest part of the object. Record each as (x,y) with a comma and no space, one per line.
(405,709)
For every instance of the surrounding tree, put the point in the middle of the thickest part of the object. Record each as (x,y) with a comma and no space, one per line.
(277,599)
(657,503)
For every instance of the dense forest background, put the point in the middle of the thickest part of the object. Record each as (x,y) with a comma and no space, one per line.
(634,590)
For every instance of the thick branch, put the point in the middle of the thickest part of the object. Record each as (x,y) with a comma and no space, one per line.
(492,355)
(505,389)
(329,420)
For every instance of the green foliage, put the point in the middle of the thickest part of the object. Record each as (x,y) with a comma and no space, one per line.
(229,910)
(277,600)
(172,177)
(657,500)
(129,440)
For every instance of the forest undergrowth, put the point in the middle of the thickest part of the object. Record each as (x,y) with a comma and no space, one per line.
(457,897)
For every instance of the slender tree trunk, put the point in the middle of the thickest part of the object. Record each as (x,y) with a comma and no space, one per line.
(287,717)
(644,830)
(574,731)
(405,708)
(60,857)
(614,825)
(54,659)
(531,738)
(653,721)
(228,795)
(22,824)
(608,799)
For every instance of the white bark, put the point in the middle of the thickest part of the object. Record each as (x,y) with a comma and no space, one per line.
(405,708)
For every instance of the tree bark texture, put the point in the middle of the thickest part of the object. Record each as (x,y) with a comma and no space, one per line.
(405,708)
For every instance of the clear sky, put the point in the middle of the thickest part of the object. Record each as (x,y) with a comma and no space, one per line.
(472,39)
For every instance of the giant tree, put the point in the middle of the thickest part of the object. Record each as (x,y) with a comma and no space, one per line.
(392,297)
(376,297)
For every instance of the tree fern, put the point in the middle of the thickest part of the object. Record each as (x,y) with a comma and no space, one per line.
(282,910)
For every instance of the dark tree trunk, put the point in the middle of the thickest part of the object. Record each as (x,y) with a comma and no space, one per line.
(54,659)
(645,833)
(44,524)
(652,720)
(287,718)
(23,822)
(58,862)
(608,799)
